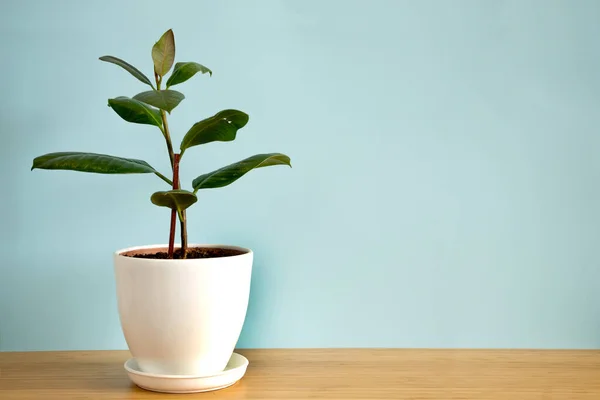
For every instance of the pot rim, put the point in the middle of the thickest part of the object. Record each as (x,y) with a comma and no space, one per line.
(119,253)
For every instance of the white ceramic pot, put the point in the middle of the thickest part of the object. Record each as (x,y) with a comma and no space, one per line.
(182,317)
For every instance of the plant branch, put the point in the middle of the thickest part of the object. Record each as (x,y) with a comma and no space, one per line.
(167,136)
(165,127)
(164,178)
(183,230)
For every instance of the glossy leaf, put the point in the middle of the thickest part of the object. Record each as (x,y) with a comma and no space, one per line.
(135,111)
(231,173)
(129,68)
(164,99)
(184,71)
(92,162)
(222,126)
(176,199)
(163,53)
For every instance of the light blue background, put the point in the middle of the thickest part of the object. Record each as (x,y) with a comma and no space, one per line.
(446,180)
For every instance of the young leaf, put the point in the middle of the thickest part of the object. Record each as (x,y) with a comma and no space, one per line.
(222,126)
(184,71)
(92,162)
(129,68)
(163,53)
(176,199)
(231,173)
(135,111)
(164,99)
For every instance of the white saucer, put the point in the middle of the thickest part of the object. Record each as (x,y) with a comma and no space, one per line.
(236,368)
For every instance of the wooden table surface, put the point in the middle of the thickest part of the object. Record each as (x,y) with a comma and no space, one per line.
(325,374)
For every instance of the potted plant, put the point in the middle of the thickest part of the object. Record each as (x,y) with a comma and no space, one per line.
(181,307)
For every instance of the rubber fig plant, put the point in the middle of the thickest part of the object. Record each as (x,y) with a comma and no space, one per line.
(151,108)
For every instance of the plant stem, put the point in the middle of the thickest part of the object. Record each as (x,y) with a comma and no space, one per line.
(174,212)
(182,217)
(174,166)
(158,80)
(183,229)
(172,235)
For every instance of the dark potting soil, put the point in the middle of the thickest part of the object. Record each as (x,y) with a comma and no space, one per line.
(199,252)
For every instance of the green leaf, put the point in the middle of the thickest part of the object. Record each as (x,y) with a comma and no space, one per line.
(135,111)
(163,53)
(95,163)
(129,68)
(222,126)
(176,199)
(231,173)
(92,162)
(184,71)
(164,99)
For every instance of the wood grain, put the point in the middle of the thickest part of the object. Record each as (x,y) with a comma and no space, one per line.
(339,374)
